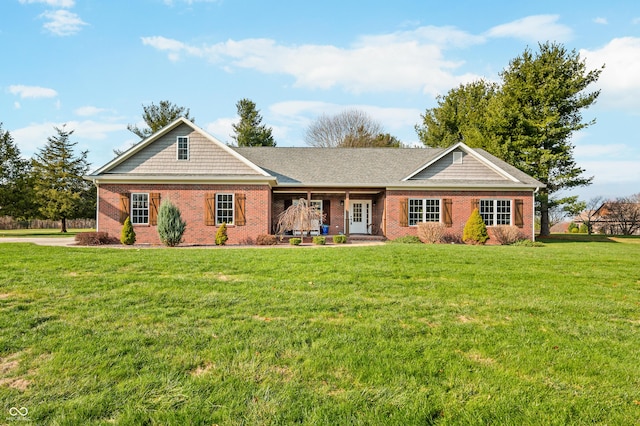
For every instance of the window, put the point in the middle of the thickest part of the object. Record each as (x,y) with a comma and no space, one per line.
(495,212)
(457,157)
(423,210)
(183,147)
(224,209)
(139,209)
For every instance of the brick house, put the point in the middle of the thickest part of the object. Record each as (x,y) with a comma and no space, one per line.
(375,191)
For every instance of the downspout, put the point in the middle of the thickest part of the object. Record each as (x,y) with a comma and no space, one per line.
(533,212)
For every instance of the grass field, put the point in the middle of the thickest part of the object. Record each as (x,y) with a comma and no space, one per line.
(393,334)
(41,232)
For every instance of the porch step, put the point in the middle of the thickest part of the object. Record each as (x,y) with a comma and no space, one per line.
(366,237)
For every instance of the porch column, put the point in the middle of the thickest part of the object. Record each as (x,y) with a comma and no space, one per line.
(346,213)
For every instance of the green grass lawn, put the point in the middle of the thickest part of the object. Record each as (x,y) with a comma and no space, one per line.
(41,232)
(393,334)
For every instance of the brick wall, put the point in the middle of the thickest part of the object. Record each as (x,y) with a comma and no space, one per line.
(461,209)
(190,200)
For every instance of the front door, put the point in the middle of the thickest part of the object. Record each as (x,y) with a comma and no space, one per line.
(359,217)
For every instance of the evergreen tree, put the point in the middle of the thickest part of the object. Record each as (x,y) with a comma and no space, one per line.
(159,116)
(475,230)
(61,191)
(221,235)
(527,120)
(171,227)
(249,131)
(16,187)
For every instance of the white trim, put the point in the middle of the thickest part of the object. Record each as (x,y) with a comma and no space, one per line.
(439,200)
(131,217)
(469,151)
(233,208)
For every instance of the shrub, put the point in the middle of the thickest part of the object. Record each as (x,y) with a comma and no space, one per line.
(318,240)
(452,238)
(584,229)
(407,239)
(171,227)
(93,238)
(295,241)
(266,240)
(475,231)
(339,239)
(221,235)
(572,228)
(507,234)
(431,232)
(128,235)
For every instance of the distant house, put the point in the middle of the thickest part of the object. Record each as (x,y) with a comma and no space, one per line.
(616,218)
(367,191)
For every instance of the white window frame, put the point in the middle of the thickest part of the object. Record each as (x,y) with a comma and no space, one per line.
(225,197)
(183,150)
(426,213)
(457,157)
(496,211)
(139,208)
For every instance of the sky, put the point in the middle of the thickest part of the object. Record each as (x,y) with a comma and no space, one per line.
(91,65)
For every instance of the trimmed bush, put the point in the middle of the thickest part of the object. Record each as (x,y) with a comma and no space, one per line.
(339,239)
(584,229)
(295,241)
(507,234)
(128,235)
(93,238)
(221,235)
(572,228)
(475,231)
(407,239)
(431,232)
(171,227)
(318,240)
(266,240)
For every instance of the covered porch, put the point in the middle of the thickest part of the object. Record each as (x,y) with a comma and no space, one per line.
(350,212)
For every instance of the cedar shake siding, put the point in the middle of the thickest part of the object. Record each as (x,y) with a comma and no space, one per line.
(248,187)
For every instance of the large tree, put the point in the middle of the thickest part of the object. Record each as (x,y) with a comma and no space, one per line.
(16,195)
(348,129)
(158,116)
(530,119)
(249,131)
(61,191)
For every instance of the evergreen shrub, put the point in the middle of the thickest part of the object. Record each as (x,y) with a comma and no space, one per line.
(171,227)
(295,241)
(475,231)
(339,239)
(128,235)
(221,235)
(318,240)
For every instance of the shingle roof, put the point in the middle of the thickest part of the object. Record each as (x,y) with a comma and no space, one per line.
(364,166)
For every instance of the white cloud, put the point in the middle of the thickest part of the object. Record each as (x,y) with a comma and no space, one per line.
(221,129)
(33,92)
(53,3)
(410,61)
(619,80)
(189,2)
(87,111)
(600,20)
(62,22)
(537,28)
(614,172)
(600,150)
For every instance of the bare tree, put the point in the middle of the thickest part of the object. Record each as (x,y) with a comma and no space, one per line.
(590,213)
(300,216)
(348,129)
(622,215)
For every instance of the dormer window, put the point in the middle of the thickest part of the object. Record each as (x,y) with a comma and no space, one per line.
(457,157)
(183,147)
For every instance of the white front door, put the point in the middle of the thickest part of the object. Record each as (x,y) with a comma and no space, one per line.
(359,217)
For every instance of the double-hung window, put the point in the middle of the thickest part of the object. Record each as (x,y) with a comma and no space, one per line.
(183,147)
(224,209)
(140,208)
(423,210)
(495,212)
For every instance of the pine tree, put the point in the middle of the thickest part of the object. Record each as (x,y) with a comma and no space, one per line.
(16,187)
(61,191)
(249,131)
(171,227)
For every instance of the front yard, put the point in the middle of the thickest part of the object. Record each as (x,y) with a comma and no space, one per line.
(393,334)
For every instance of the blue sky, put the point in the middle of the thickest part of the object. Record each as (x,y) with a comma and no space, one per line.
(92,64)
